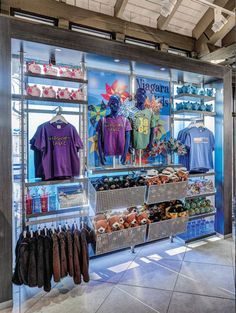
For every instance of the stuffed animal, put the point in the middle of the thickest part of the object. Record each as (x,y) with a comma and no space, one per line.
(164,178)
(63,93)
(65,72)
(33,91)
(34,68)
(50,70)
(99,217)
(102,227)
(77,73)
(48,92)
(143,219)
(182,175)
(131,220)
(77,94)
(114,223)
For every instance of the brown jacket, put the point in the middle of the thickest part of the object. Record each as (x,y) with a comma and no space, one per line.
(56,258)
(69,252)
(63,259)
(84,254)
(77,255)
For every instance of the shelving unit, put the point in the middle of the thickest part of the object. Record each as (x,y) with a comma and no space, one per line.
(189,96)
(193,112)
(211,173)
(54,100)
(44,76)
(198,216)
(207,194)
(39,182)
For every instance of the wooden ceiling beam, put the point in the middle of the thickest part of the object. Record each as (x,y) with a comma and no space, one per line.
(162,21)
(229,38)
(207,19)
(119,7)
(221,54)
(103,22)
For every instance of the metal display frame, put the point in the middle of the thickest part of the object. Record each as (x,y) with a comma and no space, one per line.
(13,28)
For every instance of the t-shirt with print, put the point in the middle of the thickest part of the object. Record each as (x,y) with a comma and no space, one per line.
(113,134)
(142,123)
(37,155)
(201,143)
(59,144)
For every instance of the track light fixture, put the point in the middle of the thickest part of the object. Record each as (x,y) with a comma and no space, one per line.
(219,20)
(167,7)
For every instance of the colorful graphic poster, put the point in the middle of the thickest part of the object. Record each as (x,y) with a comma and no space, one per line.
(100,87)
(159,89)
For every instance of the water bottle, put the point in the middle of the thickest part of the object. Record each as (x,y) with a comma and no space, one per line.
(52,206)
(36,202)
(212,225)
(192,230)
(207,226)
(198,230)
(203,226)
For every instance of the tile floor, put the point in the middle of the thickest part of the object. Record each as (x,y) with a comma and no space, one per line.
(160,277)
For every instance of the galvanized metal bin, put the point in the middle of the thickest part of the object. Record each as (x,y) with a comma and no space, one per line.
(167,228)
(102,201)
(166,192)
(120,239)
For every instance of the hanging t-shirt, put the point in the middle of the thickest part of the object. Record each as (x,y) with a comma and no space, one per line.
(201,143)
(38,155)
(143,121)
(183,159)
(113,134)
(59,144)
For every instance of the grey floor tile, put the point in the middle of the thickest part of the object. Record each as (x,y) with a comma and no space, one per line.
(84,298)
(206,279)
(164,249)
(215,252)
(187,303)
(160,274)
(110,268)
(135,300)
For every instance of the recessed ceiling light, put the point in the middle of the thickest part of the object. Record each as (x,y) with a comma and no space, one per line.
(162,69)
(58,49)
(116,60)
(217,61)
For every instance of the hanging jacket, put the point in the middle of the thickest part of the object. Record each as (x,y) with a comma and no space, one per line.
(69,252)
(24,260)
(77,257)
(32,270)
(16,278)
(48,267)
(56,258)
(40,260)
(63,259)
(84,235)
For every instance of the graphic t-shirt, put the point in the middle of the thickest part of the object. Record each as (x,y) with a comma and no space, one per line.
(113,134)
(143,121)
(59,145)
(201,143)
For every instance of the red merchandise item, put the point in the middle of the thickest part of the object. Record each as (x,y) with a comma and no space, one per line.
(63,93)
(48,92)
(44,202)
(34,68)
(29,204)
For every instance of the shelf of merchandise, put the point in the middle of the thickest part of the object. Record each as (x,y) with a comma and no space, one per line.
(202,174)
(129,168)
(195,237)
(200,195)
(198,216)
(79,209)
(39,182)
(189,96)
(55,100)
(193,112)
(44,76)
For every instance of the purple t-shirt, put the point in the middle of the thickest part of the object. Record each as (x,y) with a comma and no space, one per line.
(59,144)
(113,134)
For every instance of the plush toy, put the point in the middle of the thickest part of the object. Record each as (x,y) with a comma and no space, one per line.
(131,220)
(65,72)
(77,94)
(48,92)
(102,227)
(34,68)
(99,217)
(143,219)
(50,70)
(182,175)
(77,73)
(33,91)
(164,178)
(114,223)
(63,93)
(122,219)
(174,178)
(154,181)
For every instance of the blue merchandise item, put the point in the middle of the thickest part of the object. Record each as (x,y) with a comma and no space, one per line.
(183,159)
(201,143)
(36,200)
(52,206)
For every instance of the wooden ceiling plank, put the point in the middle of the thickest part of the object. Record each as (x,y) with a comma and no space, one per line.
(224,30)
(221,54)
(119,7)
(162,21)
(229,38)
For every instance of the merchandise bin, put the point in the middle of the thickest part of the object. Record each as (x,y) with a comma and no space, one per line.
(166,192)
(120,239)
(167,228)
(106,200)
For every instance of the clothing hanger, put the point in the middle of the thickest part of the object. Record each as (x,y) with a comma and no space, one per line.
(39,230)
(58,117)
(31,233)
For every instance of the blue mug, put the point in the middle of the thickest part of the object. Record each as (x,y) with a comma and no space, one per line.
(209,107)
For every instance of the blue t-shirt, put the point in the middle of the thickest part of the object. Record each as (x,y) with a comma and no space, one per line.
(183,159)
(201,143)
